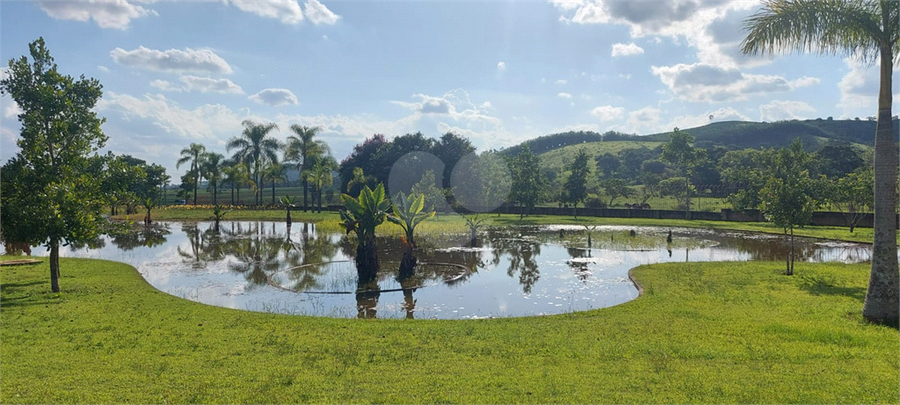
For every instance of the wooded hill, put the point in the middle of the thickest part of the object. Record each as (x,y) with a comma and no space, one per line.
(729,134)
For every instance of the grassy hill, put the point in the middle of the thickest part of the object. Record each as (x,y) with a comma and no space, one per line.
(556,159)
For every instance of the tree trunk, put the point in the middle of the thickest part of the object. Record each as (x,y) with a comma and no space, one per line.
(216,194)
(54,267)
(288,219)
(408,263)
(305,186)
(791,268)
(232,194)
(882,303)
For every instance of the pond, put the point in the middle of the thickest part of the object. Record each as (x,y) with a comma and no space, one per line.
(514,271)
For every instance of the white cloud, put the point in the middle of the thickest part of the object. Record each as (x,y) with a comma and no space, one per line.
(209,121)
(643,121)
(608,112)
(692,121)
(564,95)
(701,82)
(103,69)
(561,81)
(286,11)
(319,14)
(116,14)
(785,110)
(164,85)
(626,50)
(275,97)
(860,86)
(501,66)
(172,60)
(209,85)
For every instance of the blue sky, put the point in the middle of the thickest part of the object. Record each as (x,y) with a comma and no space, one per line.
(498,72)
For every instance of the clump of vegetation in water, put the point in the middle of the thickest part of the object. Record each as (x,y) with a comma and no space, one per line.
(474,223)
(361,215)
(407,212)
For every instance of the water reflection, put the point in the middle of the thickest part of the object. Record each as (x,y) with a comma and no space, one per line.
(516,271)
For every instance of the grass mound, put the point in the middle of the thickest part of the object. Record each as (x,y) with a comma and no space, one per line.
(701,333)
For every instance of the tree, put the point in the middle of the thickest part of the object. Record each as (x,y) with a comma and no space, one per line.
(194,155)
(320,176)
(869,30)
(273,171)
(526,180)
(608,164)
(47,195)
(685,158)
(450,149)
(615,188)
(427,186)
(359,178)
(121,181)
(576,185)
(255,148)
(304,150)
(853,195)
(237,175)
(211,167)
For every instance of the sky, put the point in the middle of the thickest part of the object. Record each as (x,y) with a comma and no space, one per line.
(499,73)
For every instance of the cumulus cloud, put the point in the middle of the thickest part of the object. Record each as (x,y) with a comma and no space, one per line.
(208,121)
(116,14)
(691,121)
(172,60)
(608,112)
(707,83)
(209,85)
(676,19)
(501,66)
(561,81)
(286,11)
(564,95)
(103,69)
(778,110)
(164,85)
(275,97)
(620,49)
(645,120)
(860,86)
(319,14)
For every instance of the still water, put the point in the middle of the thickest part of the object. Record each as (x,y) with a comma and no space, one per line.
(512,271)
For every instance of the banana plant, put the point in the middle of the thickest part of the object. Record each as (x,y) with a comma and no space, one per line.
(361,216)
(407,212)
(218,213)
(474,223)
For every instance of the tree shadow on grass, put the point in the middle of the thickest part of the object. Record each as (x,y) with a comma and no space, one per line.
(819,285)
(17,294)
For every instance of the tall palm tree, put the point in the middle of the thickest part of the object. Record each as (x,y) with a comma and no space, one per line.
(867,29)
(212,169)
(305,150)
(194,154)
(254,148)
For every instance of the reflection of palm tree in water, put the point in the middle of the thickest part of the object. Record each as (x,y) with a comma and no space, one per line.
(367,295)
(143,235)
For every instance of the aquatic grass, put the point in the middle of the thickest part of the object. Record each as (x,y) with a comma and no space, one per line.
(701,333)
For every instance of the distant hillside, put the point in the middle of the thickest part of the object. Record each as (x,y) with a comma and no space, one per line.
(730,134)
(557,159)
(813,133)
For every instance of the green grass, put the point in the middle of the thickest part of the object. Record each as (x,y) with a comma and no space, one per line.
(558,158)
(701,333)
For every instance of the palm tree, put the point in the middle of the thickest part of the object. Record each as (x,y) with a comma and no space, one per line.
(194,154)
(254,148)
(211,167)
(868,30)
(320,176)
(273,171)
(304,150)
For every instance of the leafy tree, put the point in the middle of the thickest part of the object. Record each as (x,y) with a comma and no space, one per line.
(237,175)
(48,197)
(526,180)
(836,160)
(255,148)
(361,216)
(787,199)
(481,182)
(450,149)
(576,184)
(121,181)
(194,155)
(427,186)
(871,30)
(211,167)
(365,157)
(746,168)
(359,179)
(608,164)
(305,150)
(853,195)
(685,159)
(678,187)
(615,188)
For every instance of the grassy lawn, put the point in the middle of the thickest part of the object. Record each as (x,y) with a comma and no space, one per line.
(701,333)
(453,223)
